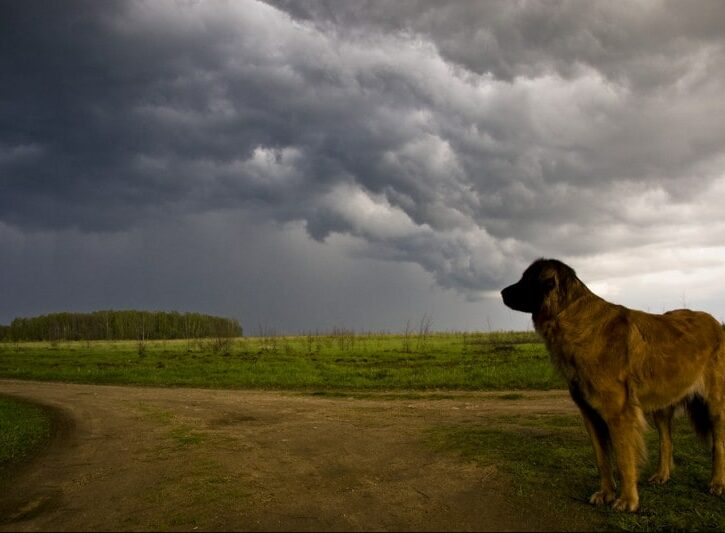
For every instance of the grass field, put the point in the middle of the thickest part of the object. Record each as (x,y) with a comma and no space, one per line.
(548,458)
(342,360)
(551,464)
(23,428)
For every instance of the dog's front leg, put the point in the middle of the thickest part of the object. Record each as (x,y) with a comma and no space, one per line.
(626,432)
(599,433)
(602,444)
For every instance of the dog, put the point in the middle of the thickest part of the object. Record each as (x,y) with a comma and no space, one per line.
(621,363)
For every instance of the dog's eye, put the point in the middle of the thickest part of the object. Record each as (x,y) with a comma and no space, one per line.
(548,284)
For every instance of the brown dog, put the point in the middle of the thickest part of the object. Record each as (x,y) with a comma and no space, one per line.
(621,363)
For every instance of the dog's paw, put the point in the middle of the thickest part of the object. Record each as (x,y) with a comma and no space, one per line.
(659,478)
(717,489)
(602,497)
(626,504)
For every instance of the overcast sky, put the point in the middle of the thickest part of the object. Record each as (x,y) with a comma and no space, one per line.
(305,165)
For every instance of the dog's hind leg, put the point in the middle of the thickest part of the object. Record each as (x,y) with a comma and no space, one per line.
(708,417)
(663,422)
(717,482)
(714,401)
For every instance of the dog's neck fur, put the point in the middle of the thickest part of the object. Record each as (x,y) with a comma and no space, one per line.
(548,319)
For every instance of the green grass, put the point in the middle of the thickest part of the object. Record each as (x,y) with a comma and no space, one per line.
(344,361)
(547,458)
(23,429)
(551,466)
(185,436)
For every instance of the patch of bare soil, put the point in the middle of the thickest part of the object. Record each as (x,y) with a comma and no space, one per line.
(134,458)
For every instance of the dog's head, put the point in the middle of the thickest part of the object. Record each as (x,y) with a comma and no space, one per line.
(544,286)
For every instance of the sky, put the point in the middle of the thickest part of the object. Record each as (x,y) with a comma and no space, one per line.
(307,165)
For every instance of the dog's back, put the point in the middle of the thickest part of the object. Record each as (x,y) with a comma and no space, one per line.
(672,354)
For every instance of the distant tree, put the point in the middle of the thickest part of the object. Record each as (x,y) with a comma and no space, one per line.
(115,325)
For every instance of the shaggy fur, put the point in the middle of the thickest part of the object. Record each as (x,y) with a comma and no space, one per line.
(621,363)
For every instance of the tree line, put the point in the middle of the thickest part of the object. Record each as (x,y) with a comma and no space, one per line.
(119,325)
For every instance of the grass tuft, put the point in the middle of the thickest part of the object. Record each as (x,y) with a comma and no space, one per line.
(23,429)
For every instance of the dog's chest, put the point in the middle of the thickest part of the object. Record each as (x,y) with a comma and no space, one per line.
(564,361)
(562,349)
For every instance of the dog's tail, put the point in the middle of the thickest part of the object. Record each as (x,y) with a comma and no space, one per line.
(699,413)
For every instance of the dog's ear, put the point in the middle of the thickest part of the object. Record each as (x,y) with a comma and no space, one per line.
(565,275)
(567,283)
(548,285)
(554,282)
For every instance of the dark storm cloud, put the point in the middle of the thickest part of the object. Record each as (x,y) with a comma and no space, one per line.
(643,43)
(254,272)
(464,137)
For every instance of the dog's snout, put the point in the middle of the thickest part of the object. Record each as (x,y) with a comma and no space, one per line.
(506,294)
(514,298)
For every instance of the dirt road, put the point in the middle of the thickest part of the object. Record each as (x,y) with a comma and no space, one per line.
(184,459)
